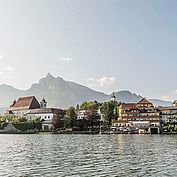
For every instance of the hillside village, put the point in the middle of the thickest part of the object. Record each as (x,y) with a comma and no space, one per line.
(28,114)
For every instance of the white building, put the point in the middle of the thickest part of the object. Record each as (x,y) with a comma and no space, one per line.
(82,114)
(30,108)
(168,114)
(45,114)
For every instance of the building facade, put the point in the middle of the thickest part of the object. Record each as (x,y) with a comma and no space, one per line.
(141,115)
(46,116)
(30,108)
(169,114)
(22,105)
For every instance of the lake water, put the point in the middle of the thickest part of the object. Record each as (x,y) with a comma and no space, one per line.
(88,155)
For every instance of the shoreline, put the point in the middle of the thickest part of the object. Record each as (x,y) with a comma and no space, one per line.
(86,133)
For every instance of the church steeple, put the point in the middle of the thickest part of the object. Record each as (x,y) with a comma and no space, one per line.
(113,97)
(43,103)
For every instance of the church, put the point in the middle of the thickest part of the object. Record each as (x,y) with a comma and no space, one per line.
(30,108)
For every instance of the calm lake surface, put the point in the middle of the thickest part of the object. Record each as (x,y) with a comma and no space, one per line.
(88,155)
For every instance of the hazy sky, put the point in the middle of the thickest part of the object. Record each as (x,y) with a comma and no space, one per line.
(108,45)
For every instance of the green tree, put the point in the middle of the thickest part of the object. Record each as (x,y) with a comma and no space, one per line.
(93,119)
(89,105)
(37,124)
(109,109)
(58,121)
(70,117)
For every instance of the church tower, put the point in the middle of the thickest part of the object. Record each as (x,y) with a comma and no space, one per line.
(43,103)
(113,97)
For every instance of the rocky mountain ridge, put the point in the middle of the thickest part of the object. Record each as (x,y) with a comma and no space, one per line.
(61,93)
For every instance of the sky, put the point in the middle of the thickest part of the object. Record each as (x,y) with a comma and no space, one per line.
(108,45)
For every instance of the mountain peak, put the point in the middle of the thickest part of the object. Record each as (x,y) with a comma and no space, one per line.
(48,80)
(61,93)
(50,76)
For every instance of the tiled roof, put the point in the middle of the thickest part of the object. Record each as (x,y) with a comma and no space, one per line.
(45,110)
(25,103)
(143,100)
(128,105)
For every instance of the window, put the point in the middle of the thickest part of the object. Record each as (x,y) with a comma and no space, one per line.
(48,117)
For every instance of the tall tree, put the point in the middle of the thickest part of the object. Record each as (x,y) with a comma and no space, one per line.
(70,118)
(108,109)
(58,121)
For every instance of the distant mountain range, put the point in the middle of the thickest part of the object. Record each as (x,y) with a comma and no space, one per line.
(61,93)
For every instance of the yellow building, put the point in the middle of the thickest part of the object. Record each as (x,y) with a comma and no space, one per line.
(141,115)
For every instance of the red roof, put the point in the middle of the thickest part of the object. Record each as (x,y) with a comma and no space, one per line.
(144,101)
(128,105)
(25,103)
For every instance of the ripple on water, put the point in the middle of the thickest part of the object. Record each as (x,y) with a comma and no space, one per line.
(88,155)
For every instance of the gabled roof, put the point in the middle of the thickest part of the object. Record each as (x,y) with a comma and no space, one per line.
(133,106)
(25,103)
(144,101)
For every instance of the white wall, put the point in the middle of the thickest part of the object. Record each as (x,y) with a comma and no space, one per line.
(43,116)
(19,113)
